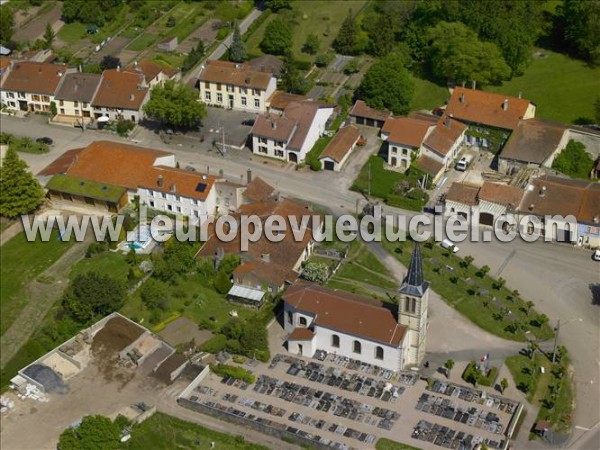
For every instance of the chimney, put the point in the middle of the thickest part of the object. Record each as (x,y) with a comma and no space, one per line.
(473,84)
(204,177)
(274,124)
(160,181)
(531,207)
(447,122)
(505,104)
(520,94)
(266,257)
(119,68)
(463,84)
(462,98)
(173,188)
(221,172)
(543,191)
(131,97)
(249,176)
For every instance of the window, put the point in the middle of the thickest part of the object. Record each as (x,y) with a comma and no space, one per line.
(378,352)
(206,85)
(76,104)
(219,87)
(76,112)
(169,207)
(262,149)
(279,153)
(85,105)
(230,88)
(410,305)
(62,110)
(21,94)
(151,203)
(335,341)
(244,103)
(243,90)
(257,103)
(35,98)
(45,98)
(207,96)
(219,97)
(356,347)
(10,95)
(302,321)
(255,92)
(290,317)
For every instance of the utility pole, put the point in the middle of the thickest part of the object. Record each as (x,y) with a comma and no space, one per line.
(556,330)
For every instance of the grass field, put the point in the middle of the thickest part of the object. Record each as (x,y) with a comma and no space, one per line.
(163,431)
(427,95)
(364,267)
(71,33)
(188,17)
(109,263)
(22,262)
(322,18)
(564,89)
(388,444)
(144,41)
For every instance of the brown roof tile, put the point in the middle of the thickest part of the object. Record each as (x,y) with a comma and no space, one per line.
(407,130)
(258,190)
(463,193)
(341,143)
(274,126)
(533,141)
(360,109)
(486,108)
(37,78)
(267,63)
(429,165)
(150,69)
(279,100)
(501,194)
(235,74)
(61,164)
(78,87)
(444,135)
(120,89)
(301,334)
(347,313)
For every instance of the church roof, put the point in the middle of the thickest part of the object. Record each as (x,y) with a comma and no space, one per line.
(413,283)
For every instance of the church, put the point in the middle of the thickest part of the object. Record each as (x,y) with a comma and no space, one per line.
(389,336)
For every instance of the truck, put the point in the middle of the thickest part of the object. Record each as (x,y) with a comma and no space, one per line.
(463,163)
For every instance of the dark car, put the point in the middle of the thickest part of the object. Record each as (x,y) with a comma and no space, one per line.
(248,122)
(44,140)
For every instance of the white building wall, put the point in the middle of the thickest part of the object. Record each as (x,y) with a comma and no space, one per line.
(242,98)
(495,209)
(400,155)
(269,147)
(455,208)
(35,102)
(317,128)
(197,210)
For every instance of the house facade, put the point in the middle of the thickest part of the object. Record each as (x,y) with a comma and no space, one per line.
(121,96)
(235,86)
(74,96)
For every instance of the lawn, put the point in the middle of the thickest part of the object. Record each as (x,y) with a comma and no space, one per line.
(171,60)
(364,267)
(109,263)
(323,18)
(72,33)
(163,431)
(477,296)
(143,42)
(21,262)
(564,89)
(188,17)
(388,444)
(427,95)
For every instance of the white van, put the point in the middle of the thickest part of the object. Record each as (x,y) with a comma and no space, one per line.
(449,245)
(463,163)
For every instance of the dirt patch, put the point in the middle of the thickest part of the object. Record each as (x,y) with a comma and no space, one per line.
(163,373)
(207,32)
(183,330)
(116,334)
(113,47)
(155,358)
(35,28)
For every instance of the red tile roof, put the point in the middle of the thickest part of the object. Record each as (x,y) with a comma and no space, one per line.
(486,108)
(360,109)
(37,78)
(463,193)
(341,144)
(151,70)
(279,100)
(501,194)
(429,165)
(274,126)
(120,89)
(407,130)
(301,334)
(235,74)
(346,313)
(445,134)
(258,190)
(131,167)
(61,164)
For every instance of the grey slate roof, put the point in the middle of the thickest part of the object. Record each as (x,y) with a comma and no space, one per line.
(78,87)
(413,283)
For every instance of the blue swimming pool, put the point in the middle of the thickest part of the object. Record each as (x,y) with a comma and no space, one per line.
(142,236)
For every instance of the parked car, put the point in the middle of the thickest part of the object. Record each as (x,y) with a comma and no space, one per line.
(463,163)
(44,140)
(596,255)
(248,122)
(449,245)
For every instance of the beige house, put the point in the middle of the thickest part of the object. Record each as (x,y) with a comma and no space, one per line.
(235,86)
(74,97)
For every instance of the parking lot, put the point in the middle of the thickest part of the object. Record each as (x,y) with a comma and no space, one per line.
(342,403)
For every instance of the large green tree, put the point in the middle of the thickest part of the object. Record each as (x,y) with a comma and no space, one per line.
(94,433)
(291,79)
(237,51)
(193,57)
(94,12)
(387,84)
(6,24)
(277,39)
(574,161)
(456,53)
(92,294)
(347,39)
(175,105)
(581,23)
(49,36)
(20,192)
(381,35)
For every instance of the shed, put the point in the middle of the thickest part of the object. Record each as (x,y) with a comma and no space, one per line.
(362,114)
(339,148)
(168,45)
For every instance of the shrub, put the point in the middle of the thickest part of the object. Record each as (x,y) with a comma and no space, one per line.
(222,33)
(124,127)
(324,59)
(238,373)
(215,344)
(222,282)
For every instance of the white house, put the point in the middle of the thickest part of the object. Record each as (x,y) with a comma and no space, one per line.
(74,96)
(155,74)
(405,135)
(317,318)
(291,135)
(30,86)
(235,86)
(445,141)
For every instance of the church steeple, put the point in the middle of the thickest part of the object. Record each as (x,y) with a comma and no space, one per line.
(413,283)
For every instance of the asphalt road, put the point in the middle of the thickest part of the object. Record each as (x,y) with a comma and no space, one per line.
(556,277)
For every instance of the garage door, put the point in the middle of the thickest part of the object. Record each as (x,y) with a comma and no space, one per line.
(486,219)
(329,165)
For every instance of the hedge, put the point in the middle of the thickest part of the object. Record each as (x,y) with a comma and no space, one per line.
(239,373)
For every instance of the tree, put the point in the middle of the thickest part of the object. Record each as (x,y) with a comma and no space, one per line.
(597,110)
(312,44)
(581,24)
(276,5)
(194,56)
(85,11)
(449,365)
(499,283)
(315,272)
(472,374)
(6,24)
(92,294)
(49,36)
(291,79)
(277,39)
(346,40)
(179,255)
(528,305)
(387,84)
(93,433)
(381,36)
(542,319)
(110,62)
(171,22)
(20,191)
(483,271)
(175,105)
(237,51)
(253,338)
(468,260)
(574,161)
(503,384)
(154,294)
(532,347)
(222,282)
(456,53)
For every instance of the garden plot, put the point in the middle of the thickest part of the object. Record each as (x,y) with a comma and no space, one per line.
(207,32)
